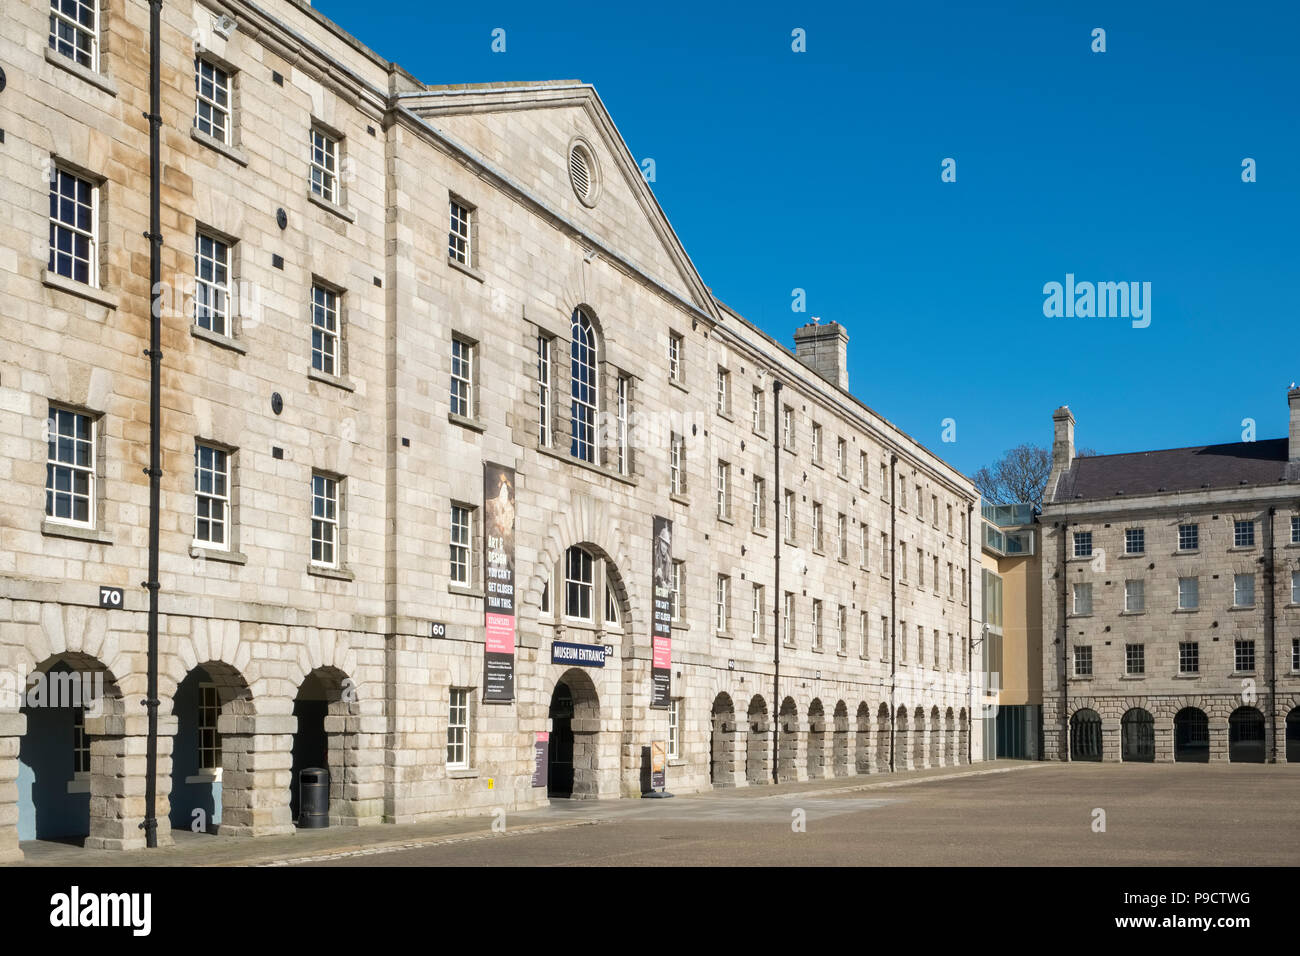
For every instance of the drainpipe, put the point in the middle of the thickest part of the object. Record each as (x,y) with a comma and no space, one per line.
(1271,625)
(970,633)
(778,600)
(893,603)
(150,824)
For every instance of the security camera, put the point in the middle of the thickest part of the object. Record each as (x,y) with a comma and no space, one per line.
(225,25)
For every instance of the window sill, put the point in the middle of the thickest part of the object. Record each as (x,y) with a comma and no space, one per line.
(1133,677)
(225,149)
(216,338)
(1073,616)
(468,270)
(761,532)
(100,81)
(215,554)
(1082,677)
(464,422)
(680,625)
(1243,673)
(725,416)
(680,499)
(204,776)
(676,383)
(1243,548)
(52,280)
(1135,555)
(1182,554)
(56,529)
(677,761)
(331,207)
(1186,610)
(722,634)
(589,466)
(1132,613)
(1241,607)
(336,574)
(477,593)
(325,378)
(723,519)
(461,773)
(1187,677)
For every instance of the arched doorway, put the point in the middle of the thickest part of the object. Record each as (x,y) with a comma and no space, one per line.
(64,700)
(936,739)
(840,741)
(950,739)
(918,739)
(901,749)
(884,728)
(1137,736)
(816,740)
(963,737)
(575,735)
(722,743)
(1246,736)
(325,692)
(1293,736)
(199,761)
(787,765)
(1191,736)
(756,766)
(1085,735)
(862,756)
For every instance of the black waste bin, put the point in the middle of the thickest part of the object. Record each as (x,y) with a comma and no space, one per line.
(313,798)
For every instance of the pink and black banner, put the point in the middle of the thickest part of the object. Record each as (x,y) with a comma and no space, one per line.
(661,624)
(499,582)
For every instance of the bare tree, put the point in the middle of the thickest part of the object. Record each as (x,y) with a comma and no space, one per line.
(1019,476)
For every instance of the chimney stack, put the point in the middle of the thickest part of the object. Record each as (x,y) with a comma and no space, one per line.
(1293,445)
(1062,449)
(825,350)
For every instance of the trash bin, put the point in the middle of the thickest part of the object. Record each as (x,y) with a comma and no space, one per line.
(313,798)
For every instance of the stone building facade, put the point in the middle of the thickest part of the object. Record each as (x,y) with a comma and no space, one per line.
(1171,601)
(373,287)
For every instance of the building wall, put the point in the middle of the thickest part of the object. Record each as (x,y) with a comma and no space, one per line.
(1022,630)
(269,628)
(1218,689)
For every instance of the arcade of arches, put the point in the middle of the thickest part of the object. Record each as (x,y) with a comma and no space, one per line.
(1184,731)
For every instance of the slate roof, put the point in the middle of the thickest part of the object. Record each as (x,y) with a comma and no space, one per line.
(1176,469)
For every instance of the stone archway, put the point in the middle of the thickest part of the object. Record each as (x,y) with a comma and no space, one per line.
(949,739)
(1137,732)
(1246,736)
(756,740)
(74,736)
(211,783)
(574,770)
(722,743)
(325,735)
(816,740)
(918,739)
(787,757)
(1191,736)
(884,731)
(902,741)
(840,741)
(963,738)
(1085,735)
(936,739)
(862,739)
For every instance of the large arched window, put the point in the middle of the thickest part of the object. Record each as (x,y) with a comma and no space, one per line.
(590,585)
(585,389)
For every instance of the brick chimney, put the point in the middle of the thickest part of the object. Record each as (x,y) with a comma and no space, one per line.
(825,350)
(1062,449)
(1293,446)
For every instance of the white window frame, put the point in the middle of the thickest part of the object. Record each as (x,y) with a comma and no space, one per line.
(1083,544)
(212,254)
(64,178)
(787,518)
(724,497)
(674,357)
(675,728)
(757,411)
(621,414)
(1295,529)
(1189,532)
(722,604)
(817,526)
(544,375)
(1189,652)
(1135,660)
(78,30)
(584,583)
(1083,660)
(218,82)
(842,622)
(1189,587)
(460,232)
(216,474)
(460,568)
(787,615)
(842,536)
(675,593)
(817,624)
(458,706)
(816,444)
(584,360)
(1135,599)
(760,502)
(724,391)
(461,395)
(326,356)
(1135,541)
(325,519)
(1295,587)
(209,737)
(1238,580)
(1082,598)
(757,630)
(676,473)
(323,170)
(1241,531)
(72,466)
(1243,647)
(841,457)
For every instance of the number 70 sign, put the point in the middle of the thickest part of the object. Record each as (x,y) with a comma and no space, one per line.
(110,598)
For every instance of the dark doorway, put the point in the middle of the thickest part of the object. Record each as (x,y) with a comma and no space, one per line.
(1191,736)
(1138,736)
(1293,736)
(1246,736)
(559,779)
(310,746)
(1085,735)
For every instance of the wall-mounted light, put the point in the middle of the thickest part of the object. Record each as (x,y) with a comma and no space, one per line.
(225,25)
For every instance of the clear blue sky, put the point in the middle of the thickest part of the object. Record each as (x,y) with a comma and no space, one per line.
(821,170)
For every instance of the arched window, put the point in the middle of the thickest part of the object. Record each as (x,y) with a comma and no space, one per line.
(585,388)
(1085,735)
(579,584)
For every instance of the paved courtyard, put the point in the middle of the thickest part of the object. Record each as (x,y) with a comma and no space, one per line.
(986,815)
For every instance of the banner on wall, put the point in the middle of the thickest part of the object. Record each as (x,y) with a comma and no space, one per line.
(499,582)
(661,624)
